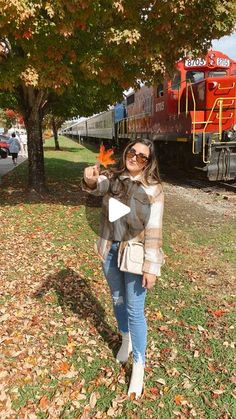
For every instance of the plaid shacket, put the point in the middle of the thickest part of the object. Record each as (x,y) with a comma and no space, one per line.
(138,198)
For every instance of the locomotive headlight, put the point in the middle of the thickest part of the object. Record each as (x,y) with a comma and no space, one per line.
(212,85)
(231,135)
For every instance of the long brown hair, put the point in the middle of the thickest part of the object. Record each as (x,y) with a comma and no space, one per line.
(150,173)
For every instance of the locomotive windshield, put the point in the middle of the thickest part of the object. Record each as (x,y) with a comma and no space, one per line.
(217,73)
(175,83)
(195,76)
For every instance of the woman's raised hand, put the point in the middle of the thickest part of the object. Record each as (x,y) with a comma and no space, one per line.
(91,175)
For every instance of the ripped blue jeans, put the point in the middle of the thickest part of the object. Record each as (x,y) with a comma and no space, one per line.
(128,297)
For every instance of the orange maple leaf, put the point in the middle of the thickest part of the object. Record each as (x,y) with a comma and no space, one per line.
(44,402)
(63,367)
(178,399)
(104,157)
(218,313)
(155,391)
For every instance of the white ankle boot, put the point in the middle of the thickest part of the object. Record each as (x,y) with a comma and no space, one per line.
(136,382)
(125,349)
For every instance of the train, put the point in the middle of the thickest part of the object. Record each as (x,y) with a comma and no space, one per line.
(191,117)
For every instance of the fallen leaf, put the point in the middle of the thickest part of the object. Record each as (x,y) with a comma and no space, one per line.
(186,383)
(201,329)
(159,315)
(211,367)
(217,313)
(178,399)
(110,412)
(233,379)
(44,402)
(93,400)
(63,367)
(161,381)
(154,390)
(217,393)
(3,396)
(81,396)
(206,401)
(164,328)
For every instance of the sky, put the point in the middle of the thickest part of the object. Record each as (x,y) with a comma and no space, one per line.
(227,45)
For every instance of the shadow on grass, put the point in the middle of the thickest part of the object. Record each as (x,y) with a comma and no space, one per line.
(67,149)
(75,293)
(63,181)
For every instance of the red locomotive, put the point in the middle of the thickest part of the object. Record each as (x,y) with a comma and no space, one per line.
(191,118)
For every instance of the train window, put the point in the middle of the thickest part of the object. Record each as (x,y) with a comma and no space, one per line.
(130,99)
(217,73)
(147,105)
(195,76)
(160,88)
(175,82)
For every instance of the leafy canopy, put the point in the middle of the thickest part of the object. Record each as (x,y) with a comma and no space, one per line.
(59,43)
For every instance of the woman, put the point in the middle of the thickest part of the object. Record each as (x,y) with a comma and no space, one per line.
(135,182)
(14,147)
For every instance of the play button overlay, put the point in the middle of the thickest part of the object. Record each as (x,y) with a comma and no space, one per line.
(116,209)
(120,215)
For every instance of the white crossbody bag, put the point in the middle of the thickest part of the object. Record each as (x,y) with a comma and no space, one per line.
(132,258)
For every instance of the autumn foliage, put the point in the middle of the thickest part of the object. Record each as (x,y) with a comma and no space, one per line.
(55,46)
(132,38)
(14,116)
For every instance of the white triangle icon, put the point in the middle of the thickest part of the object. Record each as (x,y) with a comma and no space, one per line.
(116,209)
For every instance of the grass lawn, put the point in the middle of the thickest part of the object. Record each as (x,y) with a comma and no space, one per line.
(58,335)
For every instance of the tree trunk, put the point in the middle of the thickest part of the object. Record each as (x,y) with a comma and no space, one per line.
(55,134)
(32,102)
(36,179)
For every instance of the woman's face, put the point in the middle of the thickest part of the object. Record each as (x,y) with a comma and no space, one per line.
(137,158)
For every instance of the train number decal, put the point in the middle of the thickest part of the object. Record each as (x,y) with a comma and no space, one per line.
(223,62)
(198,62)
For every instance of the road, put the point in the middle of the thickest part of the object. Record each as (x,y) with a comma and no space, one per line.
(6,165)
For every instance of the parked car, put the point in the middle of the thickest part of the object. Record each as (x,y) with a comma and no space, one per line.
(4,146)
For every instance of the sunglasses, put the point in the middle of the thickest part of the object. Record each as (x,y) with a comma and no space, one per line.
(140,158)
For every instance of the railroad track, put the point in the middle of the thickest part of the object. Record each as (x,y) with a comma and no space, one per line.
(200,183)
(208,186)
(229,186)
